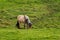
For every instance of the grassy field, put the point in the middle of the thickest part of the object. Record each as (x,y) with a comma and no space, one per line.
(44,15)
(30,34)
(42,12)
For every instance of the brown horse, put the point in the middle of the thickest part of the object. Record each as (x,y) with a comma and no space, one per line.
(23,19)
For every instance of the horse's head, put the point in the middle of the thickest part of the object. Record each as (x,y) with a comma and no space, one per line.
(30,24)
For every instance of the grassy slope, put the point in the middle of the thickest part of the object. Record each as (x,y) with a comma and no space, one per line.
(30,34)
(43,13)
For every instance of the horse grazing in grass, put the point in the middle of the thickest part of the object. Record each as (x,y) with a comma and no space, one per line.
(23,19)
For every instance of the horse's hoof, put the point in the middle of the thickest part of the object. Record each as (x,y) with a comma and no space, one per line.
(19,28)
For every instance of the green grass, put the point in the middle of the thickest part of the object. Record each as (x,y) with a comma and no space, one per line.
(30,34)
(44,15)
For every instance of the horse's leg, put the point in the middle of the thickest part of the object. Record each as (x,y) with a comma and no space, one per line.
(24,25)
(26,22)
(17,25)
(27,25)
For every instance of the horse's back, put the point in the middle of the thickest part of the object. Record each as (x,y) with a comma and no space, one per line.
(22,18)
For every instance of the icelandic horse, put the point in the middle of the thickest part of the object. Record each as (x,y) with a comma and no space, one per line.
(23,19)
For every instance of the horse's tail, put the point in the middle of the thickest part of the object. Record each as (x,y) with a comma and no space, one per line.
(17,25)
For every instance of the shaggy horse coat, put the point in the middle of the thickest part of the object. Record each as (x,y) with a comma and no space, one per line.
(23,19)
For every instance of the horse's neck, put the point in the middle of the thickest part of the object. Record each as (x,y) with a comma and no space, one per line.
(29,21)
(26,17)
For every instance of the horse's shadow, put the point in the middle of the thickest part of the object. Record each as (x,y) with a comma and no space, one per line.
(22,28)
(28,28)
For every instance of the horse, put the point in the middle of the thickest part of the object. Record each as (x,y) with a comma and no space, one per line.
(23,19)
